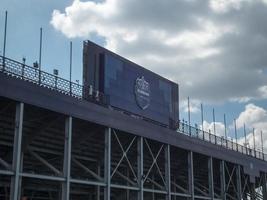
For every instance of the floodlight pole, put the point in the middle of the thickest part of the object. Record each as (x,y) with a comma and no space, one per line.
(225,131)
(254,142)
(70,65)
(4,48)
(224,120)
(189,117)
(262,149)
(235,133)
(40,48)
(214,126)
(40,53)
(202,118)
(245,135)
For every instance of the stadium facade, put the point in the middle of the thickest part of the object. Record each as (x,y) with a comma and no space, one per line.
(61,140)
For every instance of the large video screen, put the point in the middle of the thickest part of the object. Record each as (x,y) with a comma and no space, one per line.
(130,87)
(139,91)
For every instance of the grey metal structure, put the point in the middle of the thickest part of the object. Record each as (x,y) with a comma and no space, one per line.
(54,144)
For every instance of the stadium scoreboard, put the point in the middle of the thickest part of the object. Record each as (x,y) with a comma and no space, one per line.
(130,87)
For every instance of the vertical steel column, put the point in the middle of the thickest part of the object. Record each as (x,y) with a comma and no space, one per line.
(153,187)
(21,167)
(98,187)
(127,190)
(175,191)
(67,159)
(211,182)
(238,182)
(191,174)
(222,178)
(16,164)
(168,171)
(107,162)
(264,187)
(140,168)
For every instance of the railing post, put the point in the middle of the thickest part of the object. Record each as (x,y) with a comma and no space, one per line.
(23,68)
(4,64)
(56,82)
(39,76)
(70,88)
(183,126)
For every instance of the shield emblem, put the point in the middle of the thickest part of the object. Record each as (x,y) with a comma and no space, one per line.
(142,93)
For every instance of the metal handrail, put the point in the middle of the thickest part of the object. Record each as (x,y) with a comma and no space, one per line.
(35,75)
(196,132)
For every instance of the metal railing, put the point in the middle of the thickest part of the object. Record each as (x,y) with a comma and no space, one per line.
(196,132)
(35,75)
(43,79)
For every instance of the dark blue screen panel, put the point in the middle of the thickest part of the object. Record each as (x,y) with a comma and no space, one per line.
(120,85)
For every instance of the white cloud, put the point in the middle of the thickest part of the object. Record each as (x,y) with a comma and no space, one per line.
(194,106)
(241,99)
(254,117)
(213,53)
(222,6)
(251,116)
(263,91)
(219,128)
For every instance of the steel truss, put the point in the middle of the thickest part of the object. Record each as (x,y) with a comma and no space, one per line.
(67,158)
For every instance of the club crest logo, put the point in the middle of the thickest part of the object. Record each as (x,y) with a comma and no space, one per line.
(142,93)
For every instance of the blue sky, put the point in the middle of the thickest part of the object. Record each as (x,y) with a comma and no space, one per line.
(215,50)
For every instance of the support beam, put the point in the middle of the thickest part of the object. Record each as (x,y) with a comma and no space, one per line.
(238,182)
(107,162)
(191,175)
(140,174)
(179,187)
(16,164)
(89,171)
(222,178)
(5,164)
(46,163)
(155,183)
(126,178)
(168,171)
(67,159)
(211,182)
(33,135)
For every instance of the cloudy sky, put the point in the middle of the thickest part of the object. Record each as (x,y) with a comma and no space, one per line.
(215,49)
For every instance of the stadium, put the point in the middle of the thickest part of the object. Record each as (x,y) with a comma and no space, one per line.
(115,137)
